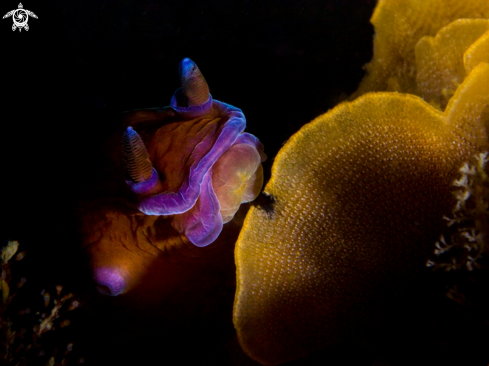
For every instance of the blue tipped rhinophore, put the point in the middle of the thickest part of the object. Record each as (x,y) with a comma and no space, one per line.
(193,83)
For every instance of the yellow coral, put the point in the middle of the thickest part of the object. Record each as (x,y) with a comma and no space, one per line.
(360,193)
(440,60)
(399,25)
(477,53)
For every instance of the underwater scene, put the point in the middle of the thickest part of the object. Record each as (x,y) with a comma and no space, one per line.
(245,183)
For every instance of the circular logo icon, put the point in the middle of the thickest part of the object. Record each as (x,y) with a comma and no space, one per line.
(20,17)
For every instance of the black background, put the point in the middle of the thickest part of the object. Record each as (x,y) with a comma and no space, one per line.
(66,80)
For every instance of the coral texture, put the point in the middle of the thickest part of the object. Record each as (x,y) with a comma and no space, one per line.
(360,192)
(466,246)
(442,62)
(399,25)
(23,330)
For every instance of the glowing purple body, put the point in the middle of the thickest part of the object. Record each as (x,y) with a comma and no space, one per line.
(185,168)
(189,170)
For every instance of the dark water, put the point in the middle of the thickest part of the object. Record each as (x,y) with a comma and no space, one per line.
(65,83)
(80,64)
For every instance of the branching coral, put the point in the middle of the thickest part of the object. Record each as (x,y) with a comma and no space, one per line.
(23,346)
(467,246)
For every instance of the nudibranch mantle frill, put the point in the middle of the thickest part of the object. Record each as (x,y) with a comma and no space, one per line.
(190,156)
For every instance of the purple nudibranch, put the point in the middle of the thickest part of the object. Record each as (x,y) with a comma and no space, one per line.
(198,170)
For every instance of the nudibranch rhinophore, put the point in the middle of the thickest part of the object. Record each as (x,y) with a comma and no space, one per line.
(199,169)
(189,166)
(360,191)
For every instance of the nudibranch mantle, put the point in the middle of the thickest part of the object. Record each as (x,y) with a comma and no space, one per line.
(185,154)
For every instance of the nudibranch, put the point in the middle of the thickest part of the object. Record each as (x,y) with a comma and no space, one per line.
(359,195)
(189,166)
(198,169)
